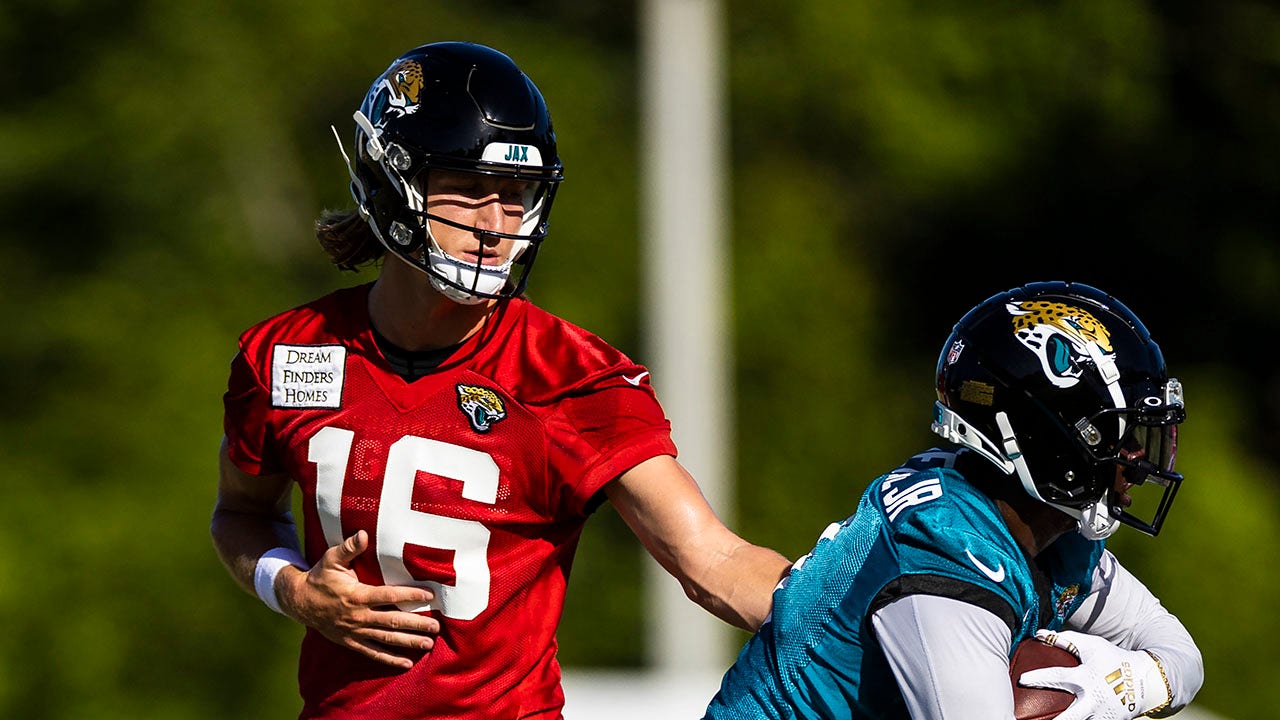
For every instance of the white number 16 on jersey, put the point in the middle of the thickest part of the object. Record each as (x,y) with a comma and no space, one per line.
(399,524)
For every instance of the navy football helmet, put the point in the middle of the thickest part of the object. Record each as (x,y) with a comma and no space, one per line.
(460,107)
(1061,385)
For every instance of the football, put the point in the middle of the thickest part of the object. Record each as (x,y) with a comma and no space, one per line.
(1038,703)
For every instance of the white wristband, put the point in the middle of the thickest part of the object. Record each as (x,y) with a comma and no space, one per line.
(270,565)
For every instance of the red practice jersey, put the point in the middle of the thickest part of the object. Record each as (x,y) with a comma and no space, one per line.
(475,481)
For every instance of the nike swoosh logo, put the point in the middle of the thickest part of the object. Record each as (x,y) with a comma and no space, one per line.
(635,380)
(996,575)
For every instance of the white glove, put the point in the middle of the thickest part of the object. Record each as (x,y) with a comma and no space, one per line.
(1110,683)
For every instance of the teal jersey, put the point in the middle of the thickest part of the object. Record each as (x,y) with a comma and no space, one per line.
(921,529)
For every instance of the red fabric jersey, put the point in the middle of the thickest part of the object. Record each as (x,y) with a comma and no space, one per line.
(474,480)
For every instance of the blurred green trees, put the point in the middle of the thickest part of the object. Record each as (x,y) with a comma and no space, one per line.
(893,164)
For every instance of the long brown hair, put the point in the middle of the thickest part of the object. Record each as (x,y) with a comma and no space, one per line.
(347,239)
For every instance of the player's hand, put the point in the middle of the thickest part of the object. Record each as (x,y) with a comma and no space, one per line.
(1110,683)
(361,617)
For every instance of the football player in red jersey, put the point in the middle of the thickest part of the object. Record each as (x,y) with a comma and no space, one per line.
(449,438)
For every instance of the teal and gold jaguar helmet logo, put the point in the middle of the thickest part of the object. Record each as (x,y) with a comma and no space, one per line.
(1062,336)
(397,92)
(482,406)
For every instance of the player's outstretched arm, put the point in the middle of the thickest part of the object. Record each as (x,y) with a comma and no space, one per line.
(730,577)
(251,517)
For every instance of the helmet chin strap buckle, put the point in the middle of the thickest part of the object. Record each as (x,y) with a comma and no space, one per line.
(1094,521)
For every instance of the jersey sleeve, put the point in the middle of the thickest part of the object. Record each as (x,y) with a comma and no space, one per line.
(950,542)
(974,571)
(246,418)
(605,427)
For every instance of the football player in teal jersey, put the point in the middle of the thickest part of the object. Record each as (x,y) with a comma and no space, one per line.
(1056,405)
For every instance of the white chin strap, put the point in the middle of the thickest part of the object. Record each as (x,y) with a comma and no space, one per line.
(1094,522)
(488,279)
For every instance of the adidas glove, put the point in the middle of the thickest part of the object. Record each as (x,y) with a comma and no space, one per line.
(1110,683)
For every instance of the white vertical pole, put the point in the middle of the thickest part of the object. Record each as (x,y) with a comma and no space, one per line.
(685,283)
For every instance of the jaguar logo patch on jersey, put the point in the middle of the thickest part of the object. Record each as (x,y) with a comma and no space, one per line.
(481,405)
(307,376)
(1060,335)
(1064,600)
